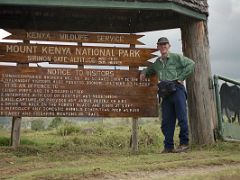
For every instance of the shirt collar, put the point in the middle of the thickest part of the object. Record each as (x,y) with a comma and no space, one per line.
(168,56)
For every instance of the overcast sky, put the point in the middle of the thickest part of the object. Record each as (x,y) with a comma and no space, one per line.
(224,30)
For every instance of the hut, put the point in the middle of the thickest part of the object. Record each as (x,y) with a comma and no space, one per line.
(131,16)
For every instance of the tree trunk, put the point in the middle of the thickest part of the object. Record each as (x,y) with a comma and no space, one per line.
(202,111)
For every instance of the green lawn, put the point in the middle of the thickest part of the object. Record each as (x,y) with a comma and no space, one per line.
(99,150)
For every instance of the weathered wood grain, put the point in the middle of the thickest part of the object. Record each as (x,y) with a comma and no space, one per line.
(202,112)
(75,92)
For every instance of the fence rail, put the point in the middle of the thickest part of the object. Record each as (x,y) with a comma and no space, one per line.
(227,131)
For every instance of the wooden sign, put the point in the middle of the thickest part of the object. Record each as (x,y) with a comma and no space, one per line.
(84,37)
(87,55)
(53,92)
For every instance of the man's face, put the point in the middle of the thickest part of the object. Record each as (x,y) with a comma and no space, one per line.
(163,48)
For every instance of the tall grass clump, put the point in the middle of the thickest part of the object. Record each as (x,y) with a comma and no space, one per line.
(68,128)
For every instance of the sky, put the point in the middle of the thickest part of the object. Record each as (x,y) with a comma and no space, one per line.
(224,28)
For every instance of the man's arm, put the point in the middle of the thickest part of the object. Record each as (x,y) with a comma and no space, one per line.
(187,67)
(147,72)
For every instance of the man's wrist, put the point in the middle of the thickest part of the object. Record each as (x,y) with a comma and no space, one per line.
(180,81)
(143,73)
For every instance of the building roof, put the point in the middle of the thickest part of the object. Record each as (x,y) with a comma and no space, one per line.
(100,15)
(196,5)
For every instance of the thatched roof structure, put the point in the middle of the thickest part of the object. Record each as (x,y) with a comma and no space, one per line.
(198,5)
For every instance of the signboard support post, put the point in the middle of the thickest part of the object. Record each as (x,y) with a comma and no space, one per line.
(15,132)
(134,135)
(80,66)
(134,124)
(16,122)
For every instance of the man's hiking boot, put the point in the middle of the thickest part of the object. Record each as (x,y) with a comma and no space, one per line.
(182,148)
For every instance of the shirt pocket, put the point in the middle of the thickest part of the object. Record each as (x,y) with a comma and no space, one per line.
(172,72)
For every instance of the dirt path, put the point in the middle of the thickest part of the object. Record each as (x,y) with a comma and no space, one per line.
(163,174)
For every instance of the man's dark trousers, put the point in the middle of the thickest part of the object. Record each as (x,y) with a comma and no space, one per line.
(174,106)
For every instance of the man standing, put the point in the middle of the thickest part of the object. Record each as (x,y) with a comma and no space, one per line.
(172,67)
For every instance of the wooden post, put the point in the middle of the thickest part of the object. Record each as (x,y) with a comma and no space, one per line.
(16,121)
(134,122)
(202,111)
(15,133)
(80,66)
(134,135)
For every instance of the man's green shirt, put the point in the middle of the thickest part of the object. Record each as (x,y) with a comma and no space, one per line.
(175,67)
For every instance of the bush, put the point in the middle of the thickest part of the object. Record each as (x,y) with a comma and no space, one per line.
(55,123)
(4,141)
(68,128)
(37,125)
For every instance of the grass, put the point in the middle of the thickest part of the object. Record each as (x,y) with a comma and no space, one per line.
(229,173)
(96,150)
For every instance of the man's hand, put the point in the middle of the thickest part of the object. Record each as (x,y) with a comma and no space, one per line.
(179,81)
(142,76)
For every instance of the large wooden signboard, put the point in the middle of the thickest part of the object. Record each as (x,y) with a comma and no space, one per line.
(50,92)
(59,54)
